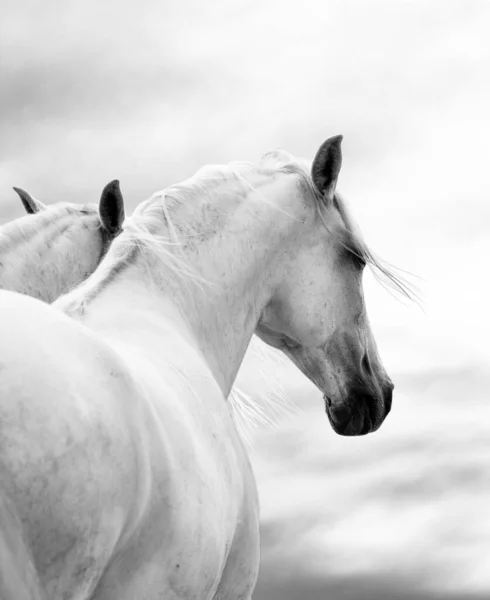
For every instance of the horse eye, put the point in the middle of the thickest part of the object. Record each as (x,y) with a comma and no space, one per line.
(357,259)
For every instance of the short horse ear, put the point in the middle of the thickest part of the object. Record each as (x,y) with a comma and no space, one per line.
(326,166)
(111,208)
(31,205)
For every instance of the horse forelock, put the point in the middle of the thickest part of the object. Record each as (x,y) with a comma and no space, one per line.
(387,275)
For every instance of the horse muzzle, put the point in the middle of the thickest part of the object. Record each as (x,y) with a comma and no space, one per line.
(360,414)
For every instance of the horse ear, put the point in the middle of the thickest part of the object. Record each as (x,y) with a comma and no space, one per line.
(111,208)
(326,166)
(31,205)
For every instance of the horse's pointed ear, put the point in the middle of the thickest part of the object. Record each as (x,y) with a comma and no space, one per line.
(111,208)
(31,205)
(326,166)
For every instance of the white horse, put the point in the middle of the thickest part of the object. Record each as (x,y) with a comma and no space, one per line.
(122,472)
(54,248)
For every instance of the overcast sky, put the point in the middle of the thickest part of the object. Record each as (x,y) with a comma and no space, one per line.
(149,91)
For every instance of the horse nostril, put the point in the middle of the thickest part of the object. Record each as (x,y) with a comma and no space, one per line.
(327,400)
(388,397)
(366,365)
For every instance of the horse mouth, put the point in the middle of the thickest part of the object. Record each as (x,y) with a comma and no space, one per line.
(353,420)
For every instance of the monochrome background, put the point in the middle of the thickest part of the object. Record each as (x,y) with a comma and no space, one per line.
(148,91)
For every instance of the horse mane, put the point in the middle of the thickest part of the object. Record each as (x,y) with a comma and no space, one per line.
(142,231)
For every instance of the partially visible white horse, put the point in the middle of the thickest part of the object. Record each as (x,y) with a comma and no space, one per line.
(54,248)
(123,474)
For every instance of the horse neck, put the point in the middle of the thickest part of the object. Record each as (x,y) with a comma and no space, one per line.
(41,256)
(240,264)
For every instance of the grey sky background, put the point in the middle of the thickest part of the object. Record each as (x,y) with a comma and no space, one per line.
(149,91)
